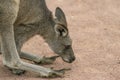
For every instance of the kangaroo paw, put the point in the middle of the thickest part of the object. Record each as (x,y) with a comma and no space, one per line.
(46,60)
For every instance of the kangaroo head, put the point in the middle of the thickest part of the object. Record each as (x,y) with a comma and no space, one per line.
(61,42)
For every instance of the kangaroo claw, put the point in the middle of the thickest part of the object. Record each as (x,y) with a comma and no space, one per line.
(63,70)
(55,73)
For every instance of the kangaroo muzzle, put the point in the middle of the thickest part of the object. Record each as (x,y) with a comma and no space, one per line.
(68,55)
(68,59)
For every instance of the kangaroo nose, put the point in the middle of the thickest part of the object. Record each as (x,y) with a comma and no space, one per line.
(72,59)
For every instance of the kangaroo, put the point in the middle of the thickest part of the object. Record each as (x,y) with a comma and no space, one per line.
(22,19)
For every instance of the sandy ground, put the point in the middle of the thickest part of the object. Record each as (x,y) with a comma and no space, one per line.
(94,26)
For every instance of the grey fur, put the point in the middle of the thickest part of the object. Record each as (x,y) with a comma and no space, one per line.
(22,19)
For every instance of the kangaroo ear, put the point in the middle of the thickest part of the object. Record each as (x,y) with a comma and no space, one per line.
(60,17)
(61,30)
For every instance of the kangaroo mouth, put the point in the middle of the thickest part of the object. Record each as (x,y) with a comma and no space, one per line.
(68,59)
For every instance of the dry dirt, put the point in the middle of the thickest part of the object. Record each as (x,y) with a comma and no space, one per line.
(94,26)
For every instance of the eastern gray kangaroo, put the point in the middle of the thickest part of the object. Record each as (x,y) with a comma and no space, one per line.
(22,19)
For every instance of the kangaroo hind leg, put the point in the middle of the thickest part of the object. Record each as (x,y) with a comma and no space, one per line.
(8,14)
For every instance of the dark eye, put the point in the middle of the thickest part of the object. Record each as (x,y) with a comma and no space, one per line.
(67,46)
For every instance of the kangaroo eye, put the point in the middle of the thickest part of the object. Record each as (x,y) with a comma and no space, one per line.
(67,46)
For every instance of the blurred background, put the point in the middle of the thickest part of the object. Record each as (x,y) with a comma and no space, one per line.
(94,27)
